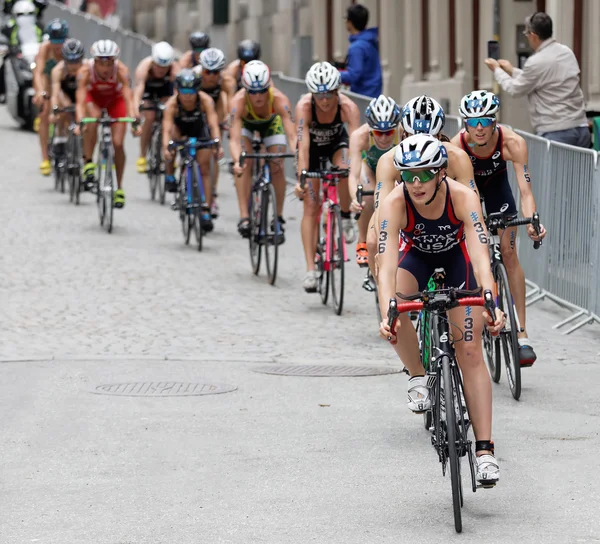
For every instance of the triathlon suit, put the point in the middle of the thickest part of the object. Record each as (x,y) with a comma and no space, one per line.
(107,93)
(491,177)
(325,138)
(68,84)
(190,123)
(270,128)
(427,244)
(157,87)
(238,77)
(215,92)
(372,155)
(49,66)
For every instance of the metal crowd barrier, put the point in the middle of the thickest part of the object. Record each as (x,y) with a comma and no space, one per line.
(566,184)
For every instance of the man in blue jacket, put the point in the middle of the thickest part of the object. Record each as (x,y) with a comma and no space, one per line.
(363,71)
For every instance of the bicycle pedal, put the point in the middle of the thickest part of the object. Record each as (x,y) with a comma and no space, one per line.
(363,265)
(486,486)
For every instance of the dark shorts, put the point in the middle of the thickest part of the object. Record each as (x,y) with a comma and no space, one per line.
(456,262)
(322,152)
(155,93)
(70,94)
(497,194)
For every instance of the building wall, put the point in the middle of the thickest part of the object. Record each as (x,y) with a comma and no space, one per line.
(293,33)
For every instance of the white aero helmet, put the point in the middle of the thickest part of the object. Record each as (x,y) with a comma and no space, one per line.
(383,113)
(420,152)
(479,104)
(212,59)
(323,78)
(423,115)
(105,48)
(163,54)
(256,76)
(23,7)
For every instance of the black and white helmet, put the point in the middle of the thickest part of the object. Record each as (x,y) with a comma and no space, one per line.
(479,104)
(383,113)
(423,115)
(212,59)
(162,54)
(323,78)
(105,49)
(420,152)
(256,76)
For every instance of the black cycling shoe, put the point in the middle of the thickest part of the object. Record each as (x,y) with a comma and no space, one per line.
(244,227)
(206,222)
(281,234)
(526,355)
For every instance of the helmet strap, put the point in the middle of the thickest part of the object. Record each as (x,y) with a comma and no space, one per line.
(437,188)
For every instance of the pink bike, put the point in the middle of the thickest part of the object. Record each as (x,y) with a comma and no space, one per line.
(331,245)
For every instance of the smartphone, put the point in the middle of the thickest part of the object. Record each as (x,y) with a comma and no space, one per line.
(493,49)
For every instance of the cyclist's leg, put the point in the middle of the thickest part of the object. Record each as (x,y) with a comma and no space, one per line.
(119,109)
(63,119)
(368,182)
(309,226)
(170,181)
(275,142)
(43,130)
(90,136)
(203,157)
(148,117)
(341,158)
(243,185)
(222,115)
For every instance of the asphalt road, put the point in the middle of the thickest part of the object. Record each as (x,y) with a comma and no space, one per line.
(280,459)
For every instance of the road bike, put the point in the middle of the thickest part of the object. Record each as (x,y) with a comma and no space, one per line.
(155,161)
(106,178)
(265,228)
(506,344)
(191,200)
(331,244)
(449,424)
(73,161)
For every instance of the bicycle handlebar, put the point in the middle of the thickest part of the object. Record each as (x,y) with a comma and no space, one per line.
(198,144)
(327,175)
(499,221)
(266,156)
(108,120)
(360,192)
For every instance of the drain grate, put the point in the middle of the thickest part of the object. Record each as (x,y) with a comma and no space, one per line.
(162,389)
(327,370)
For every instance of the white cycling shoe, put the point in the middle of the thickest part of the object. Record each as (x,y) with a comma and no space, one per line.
(488,471)
(419,397)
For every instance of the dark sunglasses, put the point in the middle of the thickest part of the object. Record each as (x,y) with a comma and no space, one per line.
(410,176)
(383,133)
(483,121)
(188,91)
(261,91)
(212,72)
(323,96)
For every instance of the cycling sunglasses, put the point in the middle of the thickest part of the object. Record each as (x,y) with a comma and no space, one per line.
(188,91)
(57,41)
(105,60)
(261,91)
(212,72)
(483,121)
(383,133)
(410,176)
(323,96)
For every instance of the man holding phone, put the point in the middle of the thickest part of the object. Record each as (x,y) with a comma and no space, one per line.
(550,79)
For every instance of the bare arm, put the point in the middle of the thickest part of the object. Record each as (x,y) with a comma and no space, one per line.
(283,107)
(518,154)
(168,122)
(386,181)
(358,143)
(83,76)
(141,74)
(462,169)
(235,130)
(38,72)
(468,210)
(123,77)
(303,121)
(211,115)
(55,76)
(230,88)
(352,116)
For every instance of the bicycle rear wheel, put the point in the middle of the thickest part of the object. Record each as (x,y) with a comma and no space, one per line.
(508,336)
(271,229)
(256,239)
(453,454)
(336,238)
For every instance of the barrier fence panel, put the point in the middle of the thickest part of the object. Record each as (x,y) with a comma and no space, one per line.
(565,181)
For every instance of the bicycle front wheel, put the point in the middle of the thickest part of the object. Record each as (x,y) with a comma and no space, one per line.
(109,193)
(152,165)
(508,336)
(272,230)
(184,208)
(336,242)
(256,237)
(160,167)
(100,201)
(196,217)
(453,454)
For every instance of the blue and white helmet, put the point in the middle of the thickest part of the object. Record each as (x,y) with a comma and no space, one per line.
(423,115)
(383,113)
(479,104)
(256,76)
(420,152)
(162,54)
(323,78)
(212,59)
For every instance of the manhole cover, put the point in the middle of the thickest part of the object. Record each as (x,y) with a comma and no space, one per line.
(327,370)
(162,389)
